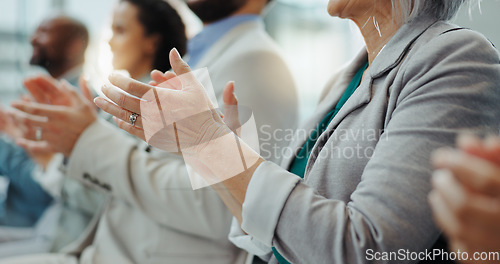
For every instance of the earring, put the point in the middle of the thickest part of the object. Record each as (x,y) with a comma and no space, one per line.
(375,23)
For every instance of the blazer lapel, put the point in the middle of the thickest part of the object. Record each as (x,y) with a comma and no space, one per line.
(337,88)
(390,56)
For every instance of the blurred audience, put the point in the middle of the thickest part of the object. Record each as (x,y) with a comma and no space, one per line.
(166,221)
(466,197)
(59,45)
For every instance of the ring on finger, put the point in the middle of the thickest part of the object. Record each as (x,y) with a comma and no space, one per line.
(133,118)
(38,133)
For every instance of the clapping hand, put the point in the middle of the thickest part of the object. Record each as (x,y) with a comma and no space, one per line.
(466,195)
(175,114)
(57,118)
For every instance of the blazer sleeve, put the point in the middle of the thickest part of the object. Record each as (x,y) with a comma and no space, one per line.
(158,185)
(450,84)
(25,194)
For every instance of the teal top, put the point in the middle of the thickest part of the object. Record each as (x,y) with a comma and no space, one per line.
(298,165)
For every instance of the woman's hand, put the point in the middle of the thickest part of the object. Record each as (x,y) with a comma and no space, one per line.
(466,195)
(176,115)
(230,116)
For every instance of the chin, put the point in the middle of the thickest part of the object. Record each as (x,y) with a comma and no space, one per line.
(335,7)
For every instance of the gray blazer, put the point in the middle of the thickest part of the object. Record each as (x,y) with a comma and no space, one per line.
(366,183)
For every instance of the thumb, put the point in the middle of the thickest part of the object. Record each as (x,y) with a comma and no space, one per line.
(182,69)
(228,95)
(231,109)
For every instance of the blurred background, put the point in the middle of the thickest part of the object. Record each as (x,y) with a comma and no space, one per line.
(314,44)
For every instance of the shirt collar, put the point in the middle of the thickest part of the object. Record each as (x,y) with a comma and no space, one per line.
(73,75)
(203,41)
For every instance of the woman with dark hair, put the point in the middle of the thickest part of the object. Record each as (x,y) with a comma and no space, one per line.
(143,33)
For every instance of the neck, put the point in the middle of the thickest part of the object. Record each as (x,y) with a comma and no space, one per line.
(141,70)
(377,30)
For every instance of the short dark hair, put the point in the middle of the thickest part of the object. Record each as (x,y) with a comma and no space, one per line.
(78,31)
(158,17)
(72,29)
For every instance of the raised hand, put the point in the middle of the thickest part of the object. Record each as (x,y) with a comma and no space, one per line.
(176,115)
(58,118)
(47,90)
(466,195)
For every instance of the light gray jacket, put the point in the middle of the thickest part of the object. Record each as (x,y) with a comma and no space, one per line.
(368,177)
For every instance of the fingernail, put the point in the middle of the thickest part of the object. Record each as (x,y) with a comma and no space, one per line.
(466,140)
(176,52)
(444,156)
(441,177)
(440,174)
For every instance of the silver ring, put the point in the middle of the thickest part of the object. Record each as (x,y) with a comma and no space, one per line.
(133,118)
(38,133)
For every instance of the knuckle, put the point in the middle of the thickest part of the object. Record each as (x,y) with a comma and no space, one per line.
(124,116)
(120,100)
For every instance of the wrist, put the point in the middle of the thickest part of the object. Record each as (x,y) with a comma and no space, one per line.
(221,158)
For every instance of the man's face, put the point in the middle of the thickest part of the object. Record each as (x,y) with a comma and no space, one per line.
(212,10)
(49,43)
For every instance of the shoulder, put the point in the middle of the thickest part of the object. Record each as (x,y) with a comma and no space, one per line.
(444,43)
(254,44)
(451,54)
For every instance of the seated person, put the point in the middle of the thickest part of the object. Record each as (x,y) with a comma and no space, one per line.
(357,185)
(139,45)
(466,198)
(59,44)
